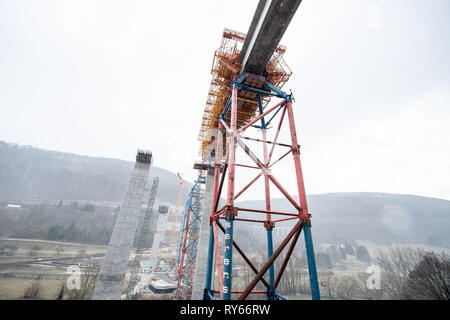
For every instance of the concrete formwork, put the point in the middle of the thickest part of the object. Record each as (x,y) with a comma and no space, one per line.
(109,284)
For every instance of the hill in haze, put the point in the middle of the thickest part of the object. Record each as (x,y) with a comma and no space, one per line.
(381,218)
(29,173)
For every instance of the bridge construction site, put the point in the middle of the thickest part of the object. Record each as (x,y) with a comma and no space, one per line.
(247,112)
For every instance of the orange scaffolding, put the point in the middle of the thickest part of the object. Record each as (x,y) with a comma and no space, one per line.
(226,68)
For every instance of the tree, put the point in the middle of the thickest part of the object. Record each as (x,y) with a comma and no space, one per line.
(430,278)
(71,233)
(329,283)
(56,232)
(370,294)
(34,290)
(333,253)
(61,291)
(82,252)
(88,207)
(295,279)
(395,265)
(409,273)
(362,254)
(349,249)
(58,250)
(341,253)
(8,249)
(34,251)
(346,286)
(74,205)
(324,260)
(87,287)
(342,287)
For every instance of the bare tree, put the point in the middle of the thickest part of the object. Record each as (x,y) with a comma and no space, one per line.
(346,287)
(8,249)
(61,291)
(409,273)
(34,290)
(295,279)
(365,292)
(81,252)
(395,264)
(329,283)
(59,249)
(87,287)
(430,278)
(34,251)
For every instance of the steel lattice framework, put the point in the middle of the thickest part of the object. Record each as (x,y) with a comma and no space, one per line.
(189,239)
(225,170)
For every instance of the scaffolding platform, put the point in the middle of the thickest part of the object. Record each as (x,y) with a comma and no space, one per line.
(225,69)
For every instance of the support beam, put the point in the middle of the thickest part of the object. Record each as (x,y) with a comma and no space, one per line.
(230,210)
(244,256)
(298,167)
(271,19)
(287,257)
(269,262)
(314,283)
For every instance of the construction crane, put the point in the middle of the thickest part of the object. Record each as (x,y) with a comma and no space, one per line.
(187,253)
(164,233)
(141,236)
(172,233)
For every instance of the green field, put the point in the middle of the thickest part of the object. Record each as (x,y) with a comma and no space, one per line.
(14,288)
(15,279)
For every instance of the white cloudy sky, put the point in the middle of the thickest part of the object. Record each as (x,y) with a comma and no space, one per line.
(103,78)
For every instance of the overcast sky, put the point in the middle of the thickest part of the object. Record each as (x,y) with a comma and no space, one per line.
(102,78)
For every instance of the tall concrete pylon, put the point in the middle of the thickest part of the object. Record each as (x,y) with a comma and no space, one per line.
(157,238)
(109,284)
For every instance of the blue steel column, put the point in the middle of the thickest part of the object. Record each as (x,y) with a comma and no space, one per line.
(207,295)
(209,265)
(315,291)
(270,289)
(230,210)
(228,258)
(269,226)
